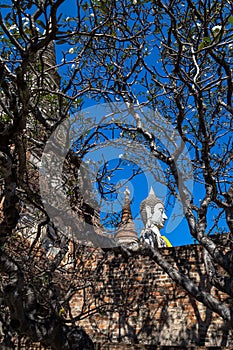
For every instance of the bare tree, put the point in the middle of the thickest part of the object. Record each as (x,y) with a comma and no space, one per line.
(172,56)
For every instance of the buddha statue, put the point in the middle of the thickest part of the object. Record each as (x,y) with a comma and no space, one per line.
(153,217)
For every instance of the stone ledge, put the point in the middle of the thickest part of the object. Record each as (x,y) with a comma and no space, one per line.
(118,346)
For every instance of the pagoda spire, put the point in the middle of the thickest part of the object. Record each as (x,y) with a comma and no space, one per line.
(126,232)
(126,215)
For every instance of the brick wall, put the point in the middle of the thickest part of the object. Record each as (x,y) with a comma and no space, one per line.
(132,301)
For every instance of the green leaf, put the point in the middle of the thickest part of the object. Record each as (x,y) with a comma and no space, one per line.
(78,101)
(5,118)
(204,43)
(230,20)
(206,39)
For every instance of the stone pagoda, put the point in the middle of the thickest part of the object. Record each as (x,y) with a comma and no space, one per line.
(126,233)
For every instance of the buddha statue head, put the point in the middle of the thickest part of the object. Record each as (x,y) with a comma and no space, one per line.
(152,211)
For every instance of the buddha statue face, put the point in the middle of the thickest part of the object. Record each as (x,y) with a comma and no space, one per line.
(152,211)
(155,215)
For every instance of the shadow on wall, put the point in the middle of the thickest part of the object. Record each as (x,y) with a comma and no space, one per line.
(135,302)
